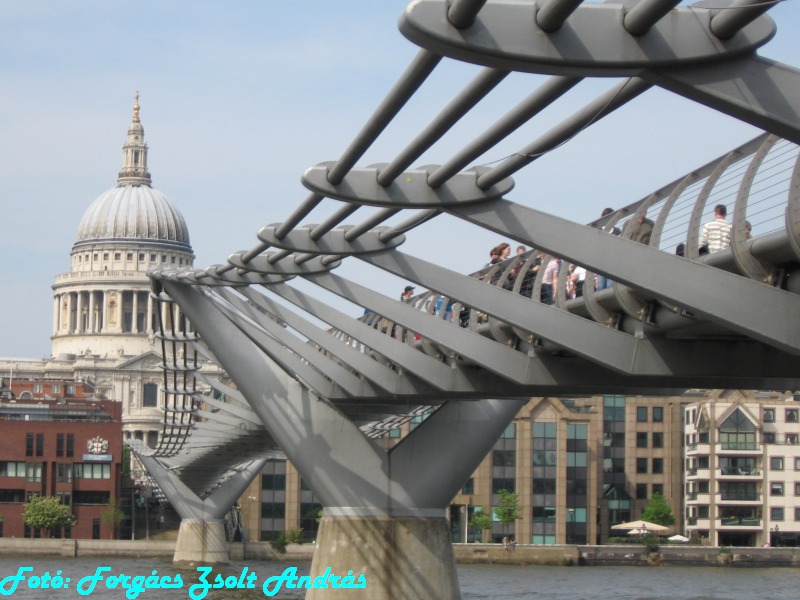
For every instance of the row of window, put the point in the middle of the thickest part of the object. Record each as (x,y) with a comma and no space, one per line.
(791,415)
(55,388)
(129,257)
(34,444)
(656,465)
(17,496)
(738,466)
(64,471)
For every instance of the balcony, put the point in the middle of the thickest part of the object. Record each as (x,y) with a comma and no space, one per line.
(740,471)
(740,497)
(740,522)
(740,447)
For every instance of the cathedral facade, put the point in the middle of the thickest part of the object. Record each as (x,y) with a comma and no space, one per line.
(105,324)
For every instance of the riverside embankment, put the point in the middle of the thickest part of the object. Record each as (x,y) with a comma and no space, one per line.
(566,555)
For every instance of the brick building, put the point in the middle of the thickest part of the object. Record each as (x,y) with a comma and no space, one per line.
(58,439)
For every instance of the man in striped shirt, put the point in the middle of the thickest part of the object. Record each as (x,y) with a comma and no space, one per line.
(716,234)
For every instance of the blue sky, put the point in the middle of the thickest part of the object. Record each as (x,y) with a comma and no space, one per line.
(239,98)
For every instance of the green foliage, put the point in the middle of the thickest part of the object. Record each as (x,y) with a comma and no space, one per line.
(112,515)
(508,510)
(280,542)
(658,511)
(295,536)
(47,512)
(480,520)
(650,542)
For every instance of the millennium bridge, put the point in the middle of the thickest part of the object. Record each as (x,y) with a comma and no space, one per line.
(321,383)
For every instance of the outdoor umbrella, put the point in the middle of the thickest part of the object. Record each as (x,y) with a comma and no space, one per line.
(647,526)
(678,538)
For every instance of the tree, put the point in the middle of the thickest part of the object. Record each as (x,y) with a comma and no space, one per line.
(508,510)
(658,511)
(48,513)
(112,515)
(480,520)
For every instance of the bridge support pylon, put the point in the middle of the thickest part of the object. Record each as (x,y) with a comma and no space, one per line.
(201,537)
(384,515)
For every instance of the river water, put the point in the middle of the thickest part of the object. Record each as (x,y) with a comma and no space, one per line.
(477,581)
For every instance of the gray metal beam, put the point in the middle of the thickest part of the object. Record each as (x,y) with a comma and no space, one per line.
(644,268)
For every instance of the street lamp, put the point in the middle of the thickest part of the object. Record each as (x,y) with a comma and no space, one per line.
(571,532)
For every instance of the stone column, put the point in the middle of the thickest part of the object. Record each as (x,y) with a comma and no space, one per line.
(135,312)
(149,319)
(69,312)
(92,315)
(56,313)
(79,312)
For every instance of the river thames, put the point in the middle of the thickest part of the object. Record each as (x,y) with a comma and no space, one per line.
(476,581)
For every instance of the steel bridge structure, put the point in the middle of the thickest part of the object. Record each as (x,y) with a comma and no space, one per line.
(321,384)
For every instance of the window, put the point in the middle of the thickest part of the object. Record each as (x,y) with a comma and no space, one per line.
(702,487)
(791,439)
(510,432)
(641,439)
(702,512)
(56,388)
(70,390)
(33,472)
(658,488)
(63,473)
(641,491)
(37,388)
(768,438)
(503,483)
(702,438)
(12,469)
(129,256)
(141,256)
(70,444)
(769,415)
(658,465)
(117,255)
(12,496)
(658,439)
(152,258)
(272,481)
(776,488)
(658,414)
(641,465)
(797,514)
(29,444)
(797,463)
(791,415)
(39,444)
(641,414)
(59,444)
(91,471)
(395,433)
(797,488)
(776,513)
(105,255)
(89,497)
(504,458)
(776,463)
(468,487)
(150,396)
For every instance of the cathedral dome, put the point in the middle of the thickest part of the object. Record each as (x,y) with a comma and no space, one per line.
(133,211)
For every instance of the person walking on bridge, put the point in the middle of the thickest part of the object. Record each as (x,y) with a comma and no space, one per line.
(716,234)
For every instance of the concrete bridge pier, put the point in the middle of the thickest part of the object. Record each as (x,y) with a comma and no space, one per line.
(201,537)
